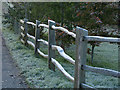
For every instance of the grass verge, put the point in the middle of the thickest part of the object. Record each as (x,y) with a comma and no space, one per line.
(39,76)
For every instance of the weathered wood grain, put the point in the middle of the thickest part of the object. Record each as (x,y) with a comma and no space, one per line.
(45,42)
(42,54)
(31,23)
(101,39)
(60,51)
(51,41)
(103,71)
(31,43)
(62,69)
(43,25)
(37,36)
(87,86)
(30,36)
(63,54)
(81,51)
(64,30)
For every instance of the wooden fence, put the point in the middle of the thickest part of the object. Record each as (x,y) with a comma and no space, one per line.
(82,39)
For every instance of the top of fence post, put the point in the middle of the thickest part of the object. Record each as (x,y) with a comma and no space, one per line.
(51,41)
(25,20)
(81,51)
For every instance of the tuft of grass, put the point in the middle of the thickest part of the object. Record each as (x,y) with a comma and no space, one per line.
(39,76)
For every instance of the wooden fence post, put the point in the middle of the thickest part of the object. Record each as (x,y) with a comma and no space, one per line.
(25,30)
(81,51)
(51,41)
(37,36)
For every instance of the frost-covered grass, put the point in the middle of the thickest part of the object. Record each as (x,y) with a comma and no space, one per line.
(36,71)
(106,56)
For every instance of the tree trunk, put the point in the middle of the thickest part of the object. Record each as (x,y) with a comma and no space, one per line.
(92,53)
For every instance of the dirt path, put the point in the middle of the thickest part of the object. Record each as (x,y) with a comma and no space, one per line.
(10,73)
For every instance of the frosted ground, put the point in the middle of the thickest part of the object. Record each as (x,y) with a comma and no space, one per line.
(39,76)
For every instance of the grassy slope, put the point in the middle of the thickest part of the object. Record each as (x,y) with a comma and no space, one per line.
(38,75)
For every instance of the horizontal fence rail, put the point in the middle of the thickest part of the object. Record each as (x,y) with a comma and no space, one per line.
(103,71)
(22,41)
(30,43)
(31,23)
(22,21)
(64,30)
(43,25)
(22,28)
(82,39)
(86,86)
(53,61)
(42,54)
(63,54)
(22,34)
(33,45)
(101,39)
(60,51)
(62,70)
(54,47)
(30,36)
(44,42)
